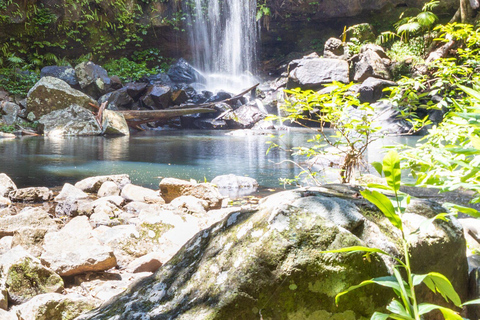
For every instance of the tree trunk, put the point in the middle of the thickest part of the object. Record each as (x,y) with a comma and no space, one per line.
(466,11)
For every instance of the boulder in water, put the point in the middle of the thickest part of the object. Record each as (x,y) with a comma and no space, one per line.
(114,124)
(71,121)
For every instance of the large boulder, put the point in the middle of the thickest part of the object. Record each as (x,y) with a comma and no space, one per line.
(183,72)
(372,89)
(313,73)
(235,186)
(64,73)
(245,116)
(389,119)
(10,112)
(74,250)
(157,97)
(114,124)
(36,218)
(25,277)
(50,94)
(172,188)
(71,121)
(118,100)
(31,194)
(94,80)
(6,185)
(70,192)
(93,184)
(132,192)
(371,62)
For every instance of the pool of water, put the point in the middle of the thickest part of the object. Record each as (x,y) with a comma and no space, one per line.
(149,156)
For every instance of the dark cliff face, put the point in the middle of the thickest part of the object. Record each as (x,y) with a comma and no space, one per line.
(32,29)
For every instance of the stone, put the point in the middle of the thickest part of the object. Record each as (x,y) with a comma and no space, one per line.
(54,306)
(179,96)
(136,193)
(74,207)
(369,63)
(389,119)
(93,79)
(69,191)
(71,121)
(363,32)
(64,73)
(114,123)
(172,188)
(36,218)
(235,186)
(32,194)
(183,72)
(371,89)
(5,202)
(157,97)
(108,188)
(6,185)
(74,250)
(11,112)
(25,277)
(150,262)
(93,184)
(117,200)
(5,245)
(313,73)
(190,204)
(245,116)
(4,135)
(136,89)
(31,239)
(50,94)
(334,49)
(117,100)
(5,315)
(3,300)
(209,124)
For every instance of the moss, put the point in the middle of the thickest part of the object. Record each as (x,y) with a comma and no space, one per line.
(149,235)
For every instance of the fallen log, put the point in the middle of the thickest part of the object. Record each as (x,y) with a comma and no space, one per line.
(161,114)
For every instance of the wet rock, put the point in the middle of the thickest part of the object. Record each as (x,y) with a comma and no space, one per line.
(313,73)
(136,193)
(179,97)
(54,306)
(6,185)
(190,205)
(11,112)
(74,250)
(70,192)
(93,79)
(172,188)
(108,188)
(117,100)
(183,72)
(32,194)
(209,124)
(136,89)
(220,96)
(371,89)
(150,262)
(157,97)
(24,276)
(92,184)
(64,73)
(114,124)
(4,135)
(371,62)
(71,121)
(28,217)
(244,117)
(50,94)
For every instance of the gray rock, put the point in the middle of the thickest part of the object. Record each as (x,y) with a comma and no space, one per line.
(108,188)
(93,79)
(117,100)
(157,97)
(11,111)
(70,192)
(50,94)
(64,73)
(334,49)
(150,262)
(190,204)
(313,73)
(235,186)
(114,124)
(74,250)
(245,116)
(370,63)
(183,72)
(136,89)
(24,276)
(172,188)
(209,124)
(6,185)
(389,119)
(93,184)
(31,239)
(136,193)
(28,217)
(372,89)
(5,202)
(363,32)
(71,121)
(74,207)
(32,194)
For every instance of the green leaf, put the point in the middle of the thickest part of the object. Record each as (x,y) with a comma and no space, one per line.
(437,282)
(397,308)
(470,211)
(424,308)
(389,282)
(378,166)
(379,316)
(474,93)
(385,205)
(449,314)
(391,169)
(476,301)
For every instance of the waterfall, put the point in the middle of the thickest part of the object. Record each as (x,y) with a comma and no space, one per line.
(223,36)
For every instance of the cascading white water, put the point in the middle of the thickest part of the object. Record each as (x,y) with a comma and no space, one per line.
(223,36)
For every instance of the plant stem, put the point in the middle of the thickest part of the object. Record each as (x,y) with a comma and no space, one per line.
(410,278)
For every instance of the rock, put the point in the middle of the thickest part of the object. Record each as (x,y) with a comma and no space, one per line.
(157,97)
(5,202)
(5,315)
(136,193)
(245,117)
(24,276)
(72,121)
(150,262)
(6,185)
(389,118)
(93,79)
(4,135)
(108,188)
(172,188)
(32,194)
(375,48)
(183,72)
(70,192)
(116,200)
(136,89)
(235,186)
(74,207)
(29,217)
(5,245)
(74,250)
(11,111)
(252,255)
(363,32)
(370,63)
(114,123)
(64,73)
(220,96)
(50,94)
(179,96)
(334,49)
(117,100)
(313,73)
(190,204)
(54,306)
(209,124)
(3,300)
(31,239)
(371,89)
(93,184)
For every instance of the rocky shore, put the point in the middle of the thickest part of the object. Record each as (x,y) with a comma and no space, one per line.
(183,252)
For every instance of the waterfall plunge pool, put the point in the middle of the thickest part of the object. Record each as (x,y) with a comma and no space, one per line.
(149,156)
